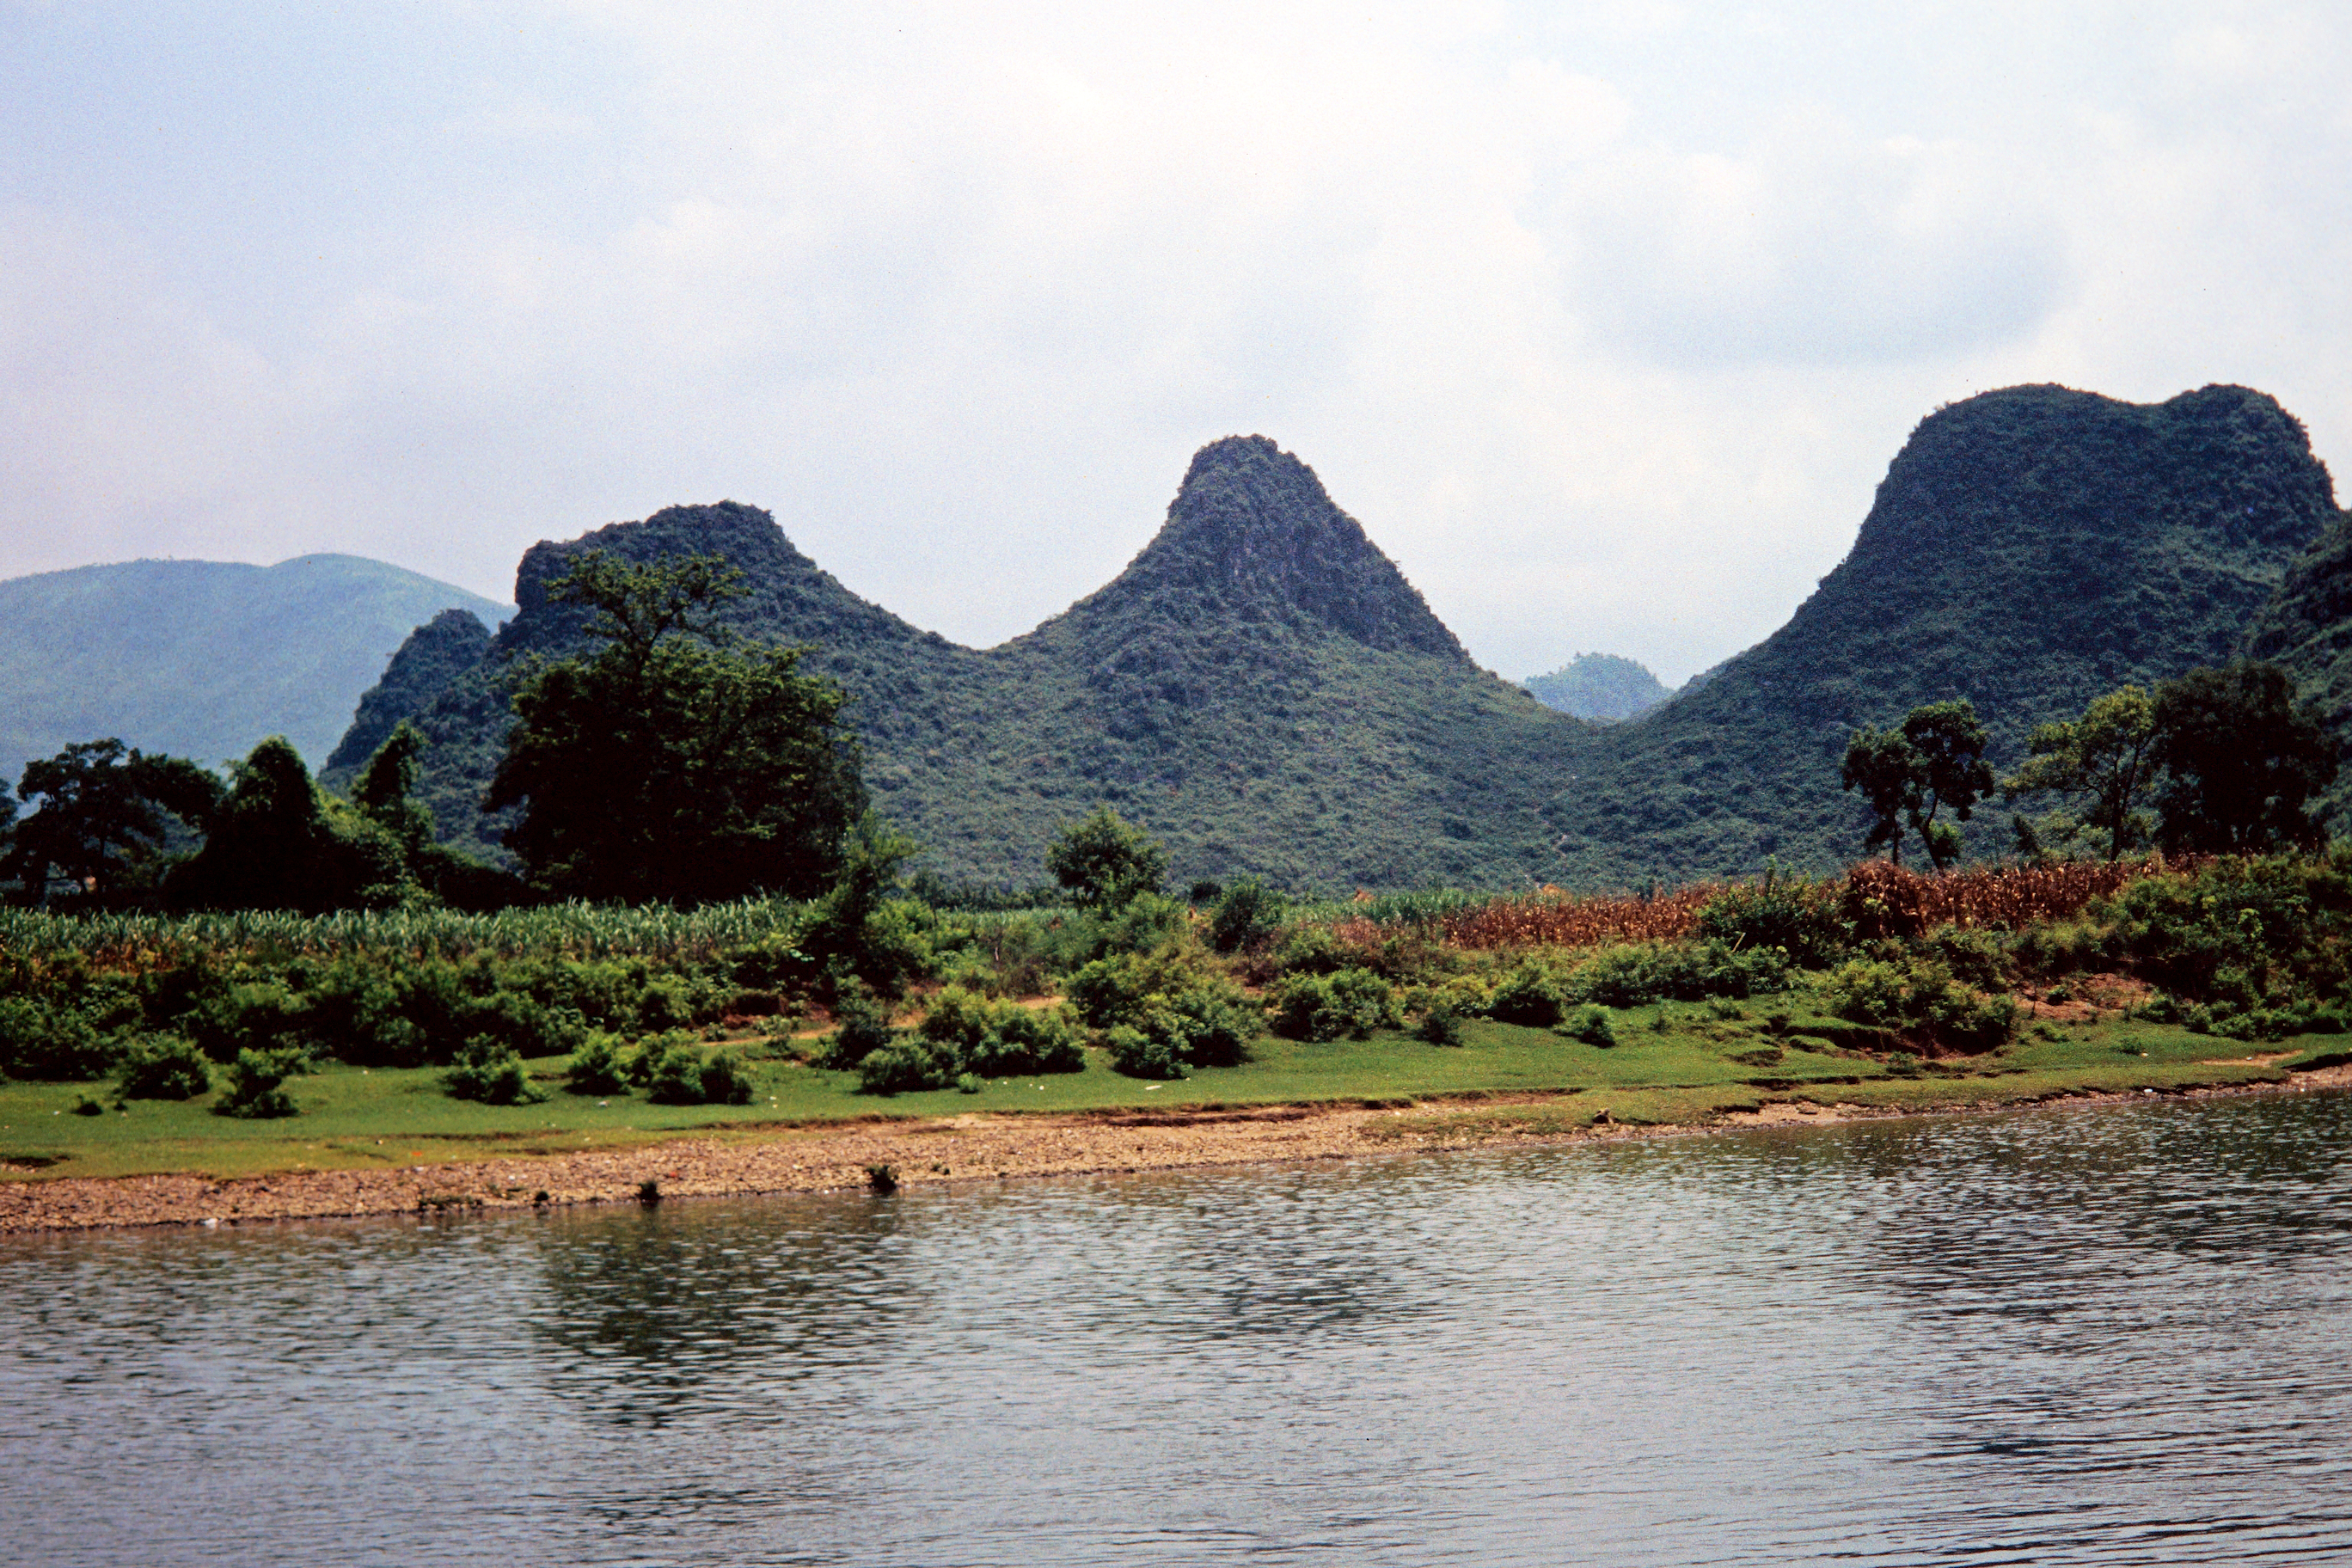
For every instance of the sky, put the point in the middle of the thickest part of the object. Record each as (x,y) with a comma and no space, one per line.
(1604,320)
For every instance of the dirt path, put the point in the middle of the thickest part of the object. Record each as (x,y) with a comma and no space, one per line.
(949,1149)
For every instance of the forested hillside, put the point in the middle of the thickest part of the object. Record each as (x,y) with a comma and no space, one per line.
(1264,689)
(1261,686)
(2029,549)
(2307,627)
(203,658)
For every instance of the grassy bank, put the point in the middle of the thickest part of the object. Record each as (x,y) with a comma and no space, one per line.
(1696,1068)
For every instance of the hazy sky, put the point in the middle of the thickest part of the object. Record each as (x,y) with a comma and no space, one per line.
(1604,320)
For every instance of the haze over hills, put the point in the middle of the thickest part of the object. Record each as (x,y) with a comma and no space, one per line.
(203,658)
(1264,689)
(2029,549)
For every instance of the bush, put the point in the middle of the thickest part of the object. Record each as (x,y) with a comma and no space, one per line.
(1441,1026)
(1795,914)
(1917,998)
(39,1039)
(1248,913)
(1630,975)
(676,1071)
(862,1029)
(905,1068)
(1528,995)
(597,1067)
(1309,950)
(1139,1054)
(491,1073)
(1022,1041)
(1350,1004)
(1590,1024)
(256,1081)
(164,1066)
(257,1015)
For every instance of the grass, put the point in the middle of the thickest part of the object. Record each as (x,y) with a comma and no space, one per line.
(1695,1068)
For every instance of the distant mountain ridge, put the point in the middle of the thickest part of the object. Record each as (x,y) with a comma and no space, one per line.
(1264,689)
(203,658)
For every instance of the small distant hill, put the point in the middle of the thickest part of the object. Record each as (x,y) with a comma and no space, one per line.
(203,659)
(2029,549)
(1600,686)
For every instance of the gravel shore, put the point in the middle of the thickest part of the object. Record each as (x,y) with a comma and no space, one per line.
(830,1157)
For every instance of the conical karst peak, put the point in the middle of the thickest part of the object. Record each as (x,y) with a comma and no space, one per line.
(1252,532)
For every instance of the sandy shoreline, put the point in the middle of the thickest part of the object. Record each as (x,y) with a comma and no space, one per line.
(834,1157)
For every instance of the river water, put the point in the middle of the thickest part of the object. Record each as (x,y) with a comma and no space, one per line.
(2114,1334)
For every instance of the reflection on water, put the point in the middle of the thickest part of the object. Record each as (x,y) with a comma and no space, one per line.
(2106,1335)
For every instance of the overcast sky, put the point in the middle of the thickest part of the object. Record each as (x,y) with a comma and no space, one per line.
(1604,320)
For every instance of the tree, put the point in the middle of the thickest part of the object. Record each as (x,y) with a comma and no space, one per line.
(1882,766)
(1104,861)
(2241,762)
(1909,774)
(2106,757)
(277,842)
(105,822)
(679,762)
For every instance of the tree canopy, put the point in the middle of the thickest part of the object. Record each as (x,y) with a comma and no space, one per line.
(679,762)
(105,817)
(2106,761)
(1908,776)
(2242,760)
(1104,861)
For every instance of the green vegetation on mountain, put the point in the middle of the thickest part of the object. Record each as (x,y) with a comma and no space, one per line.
(203,659)
(1264,692)
(2030,550)
(1600,686)
(1261,690)
(2306,629)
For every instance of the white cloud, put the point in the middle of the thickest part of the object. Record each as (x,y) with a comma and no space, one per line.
(1605,322)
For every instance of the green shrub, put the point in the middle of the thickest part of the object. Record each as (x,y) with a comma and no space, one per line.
(1140,1054)
(1628,976)
(969,1083)
(598,1067)
(42,1039)
(1022,1041)
(1590,1024)
(862,1028)
(907,1066)
(492,1073)
(1309,950)
(1248,913)
(164,1066)
(1793,913)
(256,1084)
(1350,1004)
(89,1105)
(1917,996)
(1529,996)
(1440,1025)
(257,1015)
(677,1072)
(725,1079)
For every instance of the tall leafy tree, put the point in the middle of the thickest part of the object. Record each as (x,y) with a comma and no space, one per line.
(1950,741)
(2243,762)
(1882,766)
(1106,861)
(1910,775)
(105,822)
(679,762)
(2103,768)
(279,842)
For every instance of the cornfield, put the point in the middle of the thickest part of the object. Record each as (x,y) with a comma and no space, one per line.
(1888,901)
(1881,899)
(573,931)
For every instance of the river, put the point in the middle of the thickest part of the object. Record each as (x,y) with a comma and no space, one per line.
(2103,1334)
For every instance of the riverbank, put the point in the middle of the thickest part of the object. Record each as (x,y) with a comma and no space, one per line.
(973,1147)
